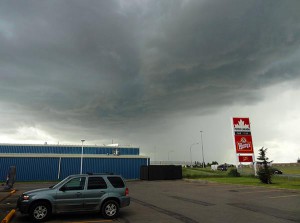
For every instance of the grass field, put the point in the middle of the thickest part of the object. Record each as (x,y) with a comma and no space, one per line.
(247,177)
(289,169)
(285,169)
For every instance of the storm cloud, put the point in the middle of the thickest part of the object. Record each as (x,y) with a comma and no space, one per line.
(105,68)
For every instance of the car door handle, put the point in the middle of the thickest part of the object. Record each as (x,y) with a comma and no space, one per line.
(78,194)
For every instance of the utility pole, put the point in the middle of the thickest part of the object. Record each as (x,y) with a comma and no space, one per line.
(202,149)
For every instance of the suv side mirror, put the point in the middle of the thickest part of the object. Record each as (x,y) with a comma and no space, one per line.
(63,188)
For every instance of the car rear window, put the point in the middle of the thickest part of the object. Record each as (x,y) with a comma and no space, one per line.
(96,183)
(117,182)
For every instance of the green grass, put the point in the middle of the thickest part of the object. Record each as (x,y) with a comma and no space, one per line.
(289,169)
(247,177)
(203,173)
(285,169)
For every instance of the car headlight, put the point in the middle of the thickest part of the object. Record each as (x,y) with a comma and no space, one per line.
(25,197)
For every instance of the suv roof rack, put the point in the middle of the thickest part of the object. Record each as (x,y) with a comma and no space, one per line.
(108,173)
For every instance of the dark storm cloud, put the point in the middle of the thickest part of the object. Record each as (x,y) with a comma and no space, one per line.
(228,45)
(66,55)
(217,53)
(110,62)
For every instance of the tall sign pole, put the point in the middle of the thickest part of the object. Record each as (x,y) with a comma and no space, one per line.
(243,140)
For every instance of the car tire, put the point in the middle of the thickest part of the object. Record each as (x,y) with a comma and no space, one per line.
(40,211)
(110,209)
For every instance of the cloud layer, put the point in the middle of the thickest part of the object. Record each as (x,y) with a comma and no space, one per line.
(104,67)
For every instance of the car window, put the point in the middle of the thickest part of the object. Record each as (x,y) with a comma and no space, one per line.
(96,183)
(117,182)
(61,182)
(75,184)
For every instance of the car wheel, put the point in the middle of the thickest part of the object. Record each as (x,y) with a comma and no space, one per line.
(275,172)
(110,209)
(40,211)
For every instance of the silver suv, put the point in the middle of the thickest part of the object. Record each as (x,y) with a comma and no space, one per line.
(84,192)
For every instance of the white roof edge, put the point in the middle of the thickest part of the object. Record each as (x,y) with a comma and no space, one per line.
(67,145)
(55,155)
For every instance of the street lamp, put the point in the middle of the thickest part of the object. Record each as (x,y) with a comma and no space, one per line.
(202,148)
(191,151)
(82,141)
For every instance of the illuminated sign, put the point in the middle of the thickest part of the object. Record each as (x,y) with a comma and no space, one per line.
(243,139)
(243,143)
(245,159)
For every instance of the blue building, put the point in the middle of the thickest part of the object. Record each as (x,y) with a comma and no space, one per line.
(55,162)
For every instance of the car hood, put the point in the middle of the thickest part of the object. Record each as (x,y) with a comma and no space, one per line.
(37,191)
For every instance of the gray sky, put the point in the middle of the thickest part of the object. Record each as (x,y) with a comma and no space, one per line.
(152,74)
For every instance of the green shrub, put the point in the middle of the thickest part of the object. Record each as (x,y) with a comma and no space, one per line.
(234,173)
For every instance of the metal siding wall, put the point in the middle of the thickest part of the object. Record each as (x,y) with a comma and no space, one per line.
(122,151)
(5,163)
(99,165)
(69,166)
(129,168)
(30,168)
(65,149)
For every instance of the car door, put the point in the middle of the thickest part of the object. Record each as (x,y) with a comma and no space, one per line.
(96,189)
(69,196)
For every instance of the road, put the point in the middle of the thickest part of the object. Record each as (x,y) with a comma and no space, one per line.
(196,201)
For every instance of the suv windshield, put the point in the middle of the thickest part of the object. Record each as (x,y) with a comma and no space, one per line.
(60,183)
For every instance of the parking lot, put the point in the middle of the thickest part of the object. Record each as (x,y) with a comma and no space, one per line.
(187,201)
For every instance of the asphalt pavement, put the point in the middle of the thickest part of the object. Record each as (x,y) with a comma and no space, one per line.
(190,202)
(7,201)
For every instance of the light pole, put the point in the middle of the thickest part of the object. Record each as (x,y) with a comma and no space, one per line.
(82,141)
(191,151)
(202,148)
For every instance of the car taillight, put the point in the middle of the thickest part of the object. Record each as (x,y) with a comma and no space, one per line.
(126,191)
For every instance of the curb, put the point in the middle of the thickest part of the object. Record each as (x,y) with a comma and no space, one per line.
(9,216)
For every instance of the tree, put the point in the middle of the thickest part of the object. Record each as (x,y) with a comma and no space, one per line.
(264,172)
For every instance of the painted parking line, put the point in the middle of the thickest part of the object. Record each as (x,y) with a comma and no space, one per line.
(283,196)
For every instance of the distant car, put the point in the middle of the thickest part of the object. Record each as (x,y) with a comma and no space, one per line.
(222,167)
(276,171)
(106,193)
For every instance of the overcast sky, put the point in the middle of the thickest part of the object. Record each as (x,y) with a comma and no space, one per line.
(152,74)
